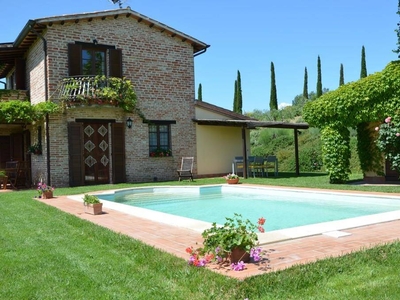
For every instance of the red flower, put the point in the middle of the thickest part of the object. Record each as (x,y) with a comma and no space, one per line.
(189,250)
(261,221)
(261,229)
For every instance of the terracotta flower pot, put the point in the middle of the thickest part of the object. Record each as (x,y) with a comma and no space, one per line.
(232,181)
(94,209)
(238,254)
(47,195)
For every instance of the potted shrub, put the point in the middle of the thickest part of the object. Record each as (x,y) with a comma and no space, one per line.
(232,178)
(92,205)
(45,191)
(235,242)
(3,178)
(35,149)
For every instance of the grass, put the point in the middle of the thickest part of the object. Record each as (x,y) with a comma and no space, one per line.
(48,254)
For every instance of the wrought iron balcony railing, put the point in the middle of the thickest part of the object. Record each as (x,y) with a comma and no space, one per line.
(96,90)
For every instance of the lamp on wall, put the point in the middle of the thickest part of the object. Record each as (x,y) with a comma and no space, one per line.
(129,122)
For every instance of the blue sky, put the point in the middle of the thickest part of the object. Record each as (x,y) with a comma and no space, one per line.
(249,35)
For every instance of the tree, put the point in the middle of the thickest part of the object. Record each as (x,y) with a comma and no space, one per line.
(305,88)
(398,33)
(200,93)
(319,80)
(273,100)
(341,79)
(235,105)
(239,93)
(363,72)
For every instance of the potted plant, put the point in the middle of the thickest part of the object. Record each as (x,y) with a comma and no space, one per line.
(35,149)
(235,242)
(3,178)
(45,191)
(232,178)
(92,205)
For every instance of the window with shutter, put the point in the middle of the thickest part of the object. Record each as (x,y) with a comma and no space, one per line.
(91,59)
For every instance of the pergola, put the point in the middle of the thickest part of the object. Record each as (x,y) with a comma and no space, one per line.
(252,124)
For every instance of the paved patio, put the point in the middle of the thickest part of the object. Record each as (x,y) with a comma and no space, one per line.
(280,255)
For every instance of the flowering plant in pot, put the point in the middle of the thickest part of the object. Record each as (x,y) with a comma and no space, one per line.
(45,191)
(236,242)
(231,178)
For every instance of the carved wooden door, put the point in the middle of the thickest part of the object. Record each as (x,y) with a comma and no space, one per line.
(96,152)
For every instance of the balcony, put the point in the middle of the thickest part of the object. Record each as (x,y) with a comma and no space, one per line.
(96,90)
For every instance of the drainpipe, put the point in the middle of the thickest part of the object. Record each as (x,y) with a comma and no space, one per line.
(46,93)
(201,52)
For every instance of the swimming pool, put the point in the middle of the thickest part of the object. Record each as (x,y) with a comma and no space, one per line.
(290,213)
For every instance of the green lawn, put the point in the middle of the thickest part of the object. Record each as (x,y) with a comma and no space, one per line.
(48,254)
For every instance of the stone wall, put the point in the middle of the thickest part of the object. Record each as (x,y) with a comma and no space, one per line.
(161,68)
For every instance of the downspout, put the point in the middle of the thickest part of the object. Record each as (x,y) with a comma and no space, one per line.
(46,93)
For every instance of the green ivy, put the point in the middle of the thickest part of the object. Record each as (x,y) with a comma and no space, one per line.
(368,153)
(336,152)
(369,99)
(23,111)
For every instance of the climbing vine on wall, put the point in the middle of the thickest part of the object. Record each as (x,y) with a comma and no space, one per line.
(369,99)
(23,111)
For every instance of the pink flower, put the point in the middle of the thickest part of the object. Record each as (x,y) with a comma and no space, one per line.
(238,266)
(398,134)
(376,128)
(388,119)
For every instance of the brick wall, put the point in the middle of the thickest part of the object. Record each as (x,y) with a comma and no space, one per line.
(161,68)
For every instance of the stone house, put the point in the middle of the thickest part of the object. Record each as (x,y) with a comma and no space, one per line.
(89,143)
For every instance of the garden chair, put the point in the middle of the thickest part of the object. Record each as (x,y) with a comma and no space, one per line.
(186,169)
(257,166)
(271,162)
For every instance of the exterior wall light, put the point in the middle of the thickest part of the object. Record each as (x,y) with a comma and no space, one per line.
(129,122)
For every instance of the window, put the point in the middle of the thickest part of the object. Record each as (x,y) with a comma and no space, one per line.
(159,140)
(93,62)
(89,59)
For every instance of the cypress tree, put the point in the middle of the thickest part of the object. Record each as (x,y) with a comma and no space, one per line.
(273,100)
(341,79)
(239,93)
(235,107)
(363,72)
(305,88)
(398,32)
(200,93)
(319,80)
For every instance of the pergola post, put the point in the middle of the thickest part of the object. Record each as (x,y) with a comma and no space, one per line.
(244,152)
(296,151)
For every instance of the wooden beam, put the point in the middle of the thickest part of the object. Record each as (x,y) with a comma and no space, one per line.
(296,151)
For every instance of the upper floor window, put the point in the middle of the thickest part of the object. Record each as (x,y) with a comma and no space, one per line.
(93,62)
(93,59)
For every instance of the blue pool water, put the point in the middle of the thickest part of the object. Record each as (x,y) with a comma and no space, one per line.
(281,208)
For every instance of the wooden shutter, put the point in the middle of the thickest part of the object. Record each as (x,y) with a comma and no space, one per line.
(74,59)
(115,64)
(75,147)
(118,152)
(20,78)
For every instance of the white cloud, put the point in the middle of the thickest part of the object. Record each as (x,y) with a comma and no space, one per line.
(283,105)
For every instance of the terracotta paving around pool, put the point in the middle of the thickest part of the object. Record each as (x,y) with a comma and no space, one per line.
(280,255)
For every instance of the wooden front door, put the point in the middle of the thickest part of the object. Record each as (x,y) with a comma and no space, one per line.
(96,153)
(89,152)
